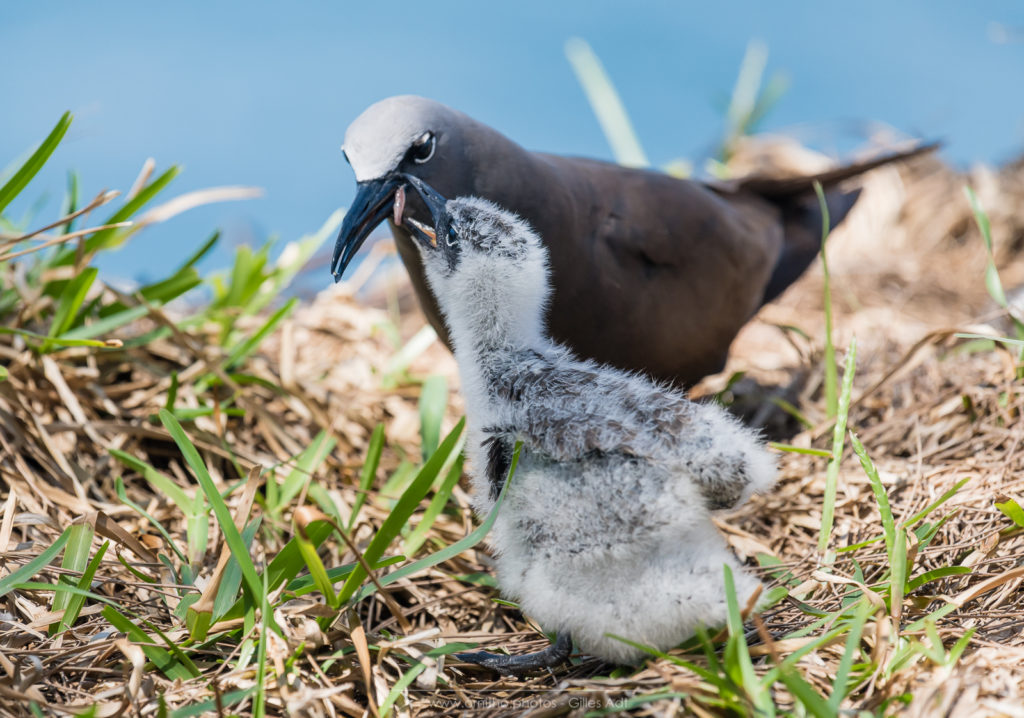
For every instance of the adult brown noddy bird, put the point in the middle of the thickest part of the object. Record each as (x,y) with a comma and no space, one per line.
(649,272)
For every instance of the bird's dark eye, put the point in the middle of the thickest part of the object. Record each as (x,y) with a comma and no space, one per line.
(423,148)
(345,155)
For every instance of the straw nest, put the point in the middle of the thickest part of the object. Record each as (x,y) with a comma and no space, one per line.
(907,273)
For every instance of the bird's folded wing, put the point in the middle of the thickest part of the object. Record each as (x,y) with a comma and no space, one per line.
(723,459)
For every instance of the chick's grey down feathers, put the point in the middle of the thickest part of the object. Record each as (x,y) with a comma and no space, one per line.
(649,272)
(606,528)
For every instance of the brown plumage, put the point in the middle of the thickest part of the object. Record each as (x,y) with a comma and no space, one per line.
(649,272)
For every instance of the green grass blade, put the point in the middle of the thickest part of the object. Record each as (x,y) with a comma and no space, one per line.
(71,202)
(805,694)
(788,448)
(402,510)
(119,487)
(1009,341)
(827,618)
(259,704)
(66,588)
(247,346)
(109,238)
(927,531)
(606,104)
(247,275)
(20,179)
(227,525)
(749,102)
(203,250)
(832,471)
(305,464)
(1012,510)
(992,281)
(213,705)
(318,494)
(40,341)
(437,503)
(197,530)
(76,601)
(368,473)
(831,378)
(232,580)
(713,676)
(935,574)
(403,475)
(850,651)
(172,392)
(881,497)
(70,301)
(287,564)
(759,696)
(792,411)
(317,571)
(915,518)
(158,293)
(937,503)
(76,560)
(30,569)
(933,616)
(958,648)
(163,484)
(432,405)
(898,575)
(293,257)
(306,584)
(774,89)
(169,289)
(401,359)
(164,660)
(105,325)
(463,544)
(410,675)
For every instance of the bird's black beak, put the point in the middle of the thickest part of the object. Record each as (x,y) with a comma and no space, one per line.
(441,235)
(373,202)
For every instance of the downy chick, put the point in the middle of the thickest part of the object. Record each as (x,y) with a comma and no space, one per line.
(607,525)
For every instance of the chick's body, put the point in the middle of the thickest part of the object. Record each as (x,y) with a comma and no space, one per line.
(606,528)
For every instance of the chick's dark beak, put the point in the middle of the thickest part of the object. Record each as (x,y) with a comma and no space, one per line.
(374,201)
(441,236)
(435,202)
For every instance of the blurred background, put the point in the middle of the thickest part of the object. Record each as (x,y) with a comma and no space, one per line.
(260,93)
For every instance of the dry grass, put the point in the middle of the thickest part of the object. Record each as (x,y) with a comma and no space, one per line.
(906,271)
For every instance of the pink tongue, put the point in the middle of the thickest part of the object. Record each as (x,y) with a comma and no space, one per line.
(399,204)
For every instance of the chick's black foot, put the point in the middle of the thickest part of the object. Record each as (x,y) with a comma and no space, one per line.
(551,657)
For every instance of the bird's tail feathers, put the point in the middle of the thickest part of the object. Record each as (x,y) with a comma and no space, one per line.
(779,188)
(802,235)
(801,211)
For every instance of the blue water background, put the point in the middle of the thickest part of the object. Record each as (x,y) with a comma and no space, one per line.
(259,93)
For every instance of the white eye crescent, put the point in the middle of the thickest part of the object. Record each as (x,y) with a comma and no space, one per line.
(423,148)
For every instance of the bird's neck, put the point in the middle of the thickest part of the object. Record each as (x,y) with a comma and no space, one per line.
(490,331)
(486,339)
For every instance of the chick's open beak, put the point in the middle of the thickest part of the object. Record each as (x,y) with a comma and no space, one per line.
(435,201)
(436,204)
(423,231)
